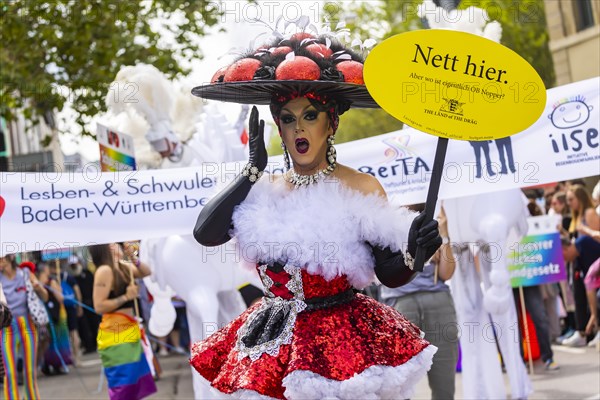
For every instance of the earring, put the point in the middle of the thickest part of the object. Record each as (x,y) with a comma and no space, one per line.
(286,156)
(331,154)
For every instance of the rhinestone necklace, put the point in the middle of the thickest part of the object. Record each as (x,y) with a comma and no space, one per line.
(304,180)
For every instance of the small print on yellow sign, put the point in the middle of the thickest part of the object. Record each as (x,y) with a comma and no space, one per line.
(454,84)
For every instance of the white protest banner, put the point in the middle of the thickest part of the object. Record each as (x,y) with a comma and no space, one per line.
(562,144)
(41,211)
(46,211)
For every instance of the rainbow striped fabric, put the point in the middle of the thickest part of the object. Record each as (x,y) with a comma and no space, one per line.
(58,353)
(125,365)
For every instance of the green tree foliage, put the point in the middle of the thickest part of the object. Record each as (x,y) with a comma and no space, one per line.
(376,19)
(274,145)
(362,123)
(71,50)
(524,31)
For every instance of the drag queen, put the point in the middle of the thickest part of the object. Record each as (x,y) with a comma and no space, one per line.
(315,234)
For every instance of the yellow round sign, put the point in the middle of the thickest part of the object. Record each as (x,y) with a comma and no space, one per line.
(454,84)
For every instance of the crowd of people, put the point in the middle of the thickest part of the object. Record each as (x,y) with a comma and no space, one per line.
(564,313)
(51,314)
(581,249)
(75,292)
(578,217)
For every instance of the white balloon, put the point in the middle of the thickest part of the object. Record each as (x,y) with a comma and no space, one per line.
(496,301)
(500,277)
(162,318)
(487,222)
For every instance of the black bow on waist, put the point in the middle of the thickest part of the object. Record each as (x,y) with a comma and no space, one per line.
(270,321)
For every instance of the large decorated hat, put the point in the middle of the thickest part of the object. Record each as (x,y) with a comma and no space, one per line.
(300,62)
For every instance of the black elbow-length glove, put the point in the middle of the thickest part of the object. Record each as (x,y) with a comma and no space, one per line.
(390,267)
(214,222)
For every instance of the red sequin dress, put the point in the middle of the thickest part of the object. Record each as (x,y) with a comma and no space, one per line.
(311,336)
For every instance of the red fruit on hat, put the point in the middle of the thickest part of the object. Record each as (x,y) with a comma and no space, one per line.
(298,68)
(319,50)
(242,70)
(220,72)
(300,36)
(281,50)
(352,70)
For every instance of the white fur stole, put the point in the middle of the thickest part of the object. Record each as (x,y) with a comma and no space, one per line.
(322,228)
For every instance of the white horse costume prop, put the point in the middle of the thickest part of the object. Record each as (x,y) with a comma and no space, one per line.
(171,128)
(487,224)
(486,220)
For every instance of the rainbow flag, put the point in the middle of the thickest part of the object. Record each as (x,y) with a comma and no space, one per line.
(125,366)
(58,353)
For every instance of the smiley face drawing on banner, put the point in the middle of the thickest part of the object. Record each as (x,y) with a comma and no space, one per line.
(453,85)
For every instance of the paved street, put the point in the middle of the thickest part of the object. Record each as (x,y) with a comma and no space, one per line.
(578,378)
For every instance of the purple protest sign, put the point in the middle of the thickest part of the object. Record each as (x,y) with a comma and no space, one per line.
(537,259)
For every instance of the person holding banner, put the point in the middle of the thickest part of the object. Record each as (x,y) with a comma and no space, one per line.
(56,352)
(314,234)
(72,307)
(22,332)
(119,336)
(426,301)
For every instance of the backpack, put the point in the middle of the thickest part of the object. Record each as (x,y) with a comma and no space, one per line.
(68,293)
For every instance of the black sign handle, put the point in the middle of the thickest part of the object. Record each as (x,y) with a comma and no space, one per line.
(432,194)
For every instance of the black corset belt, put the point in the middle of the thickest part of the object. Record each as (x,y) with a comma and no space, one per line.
(277,316)
(317,303)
